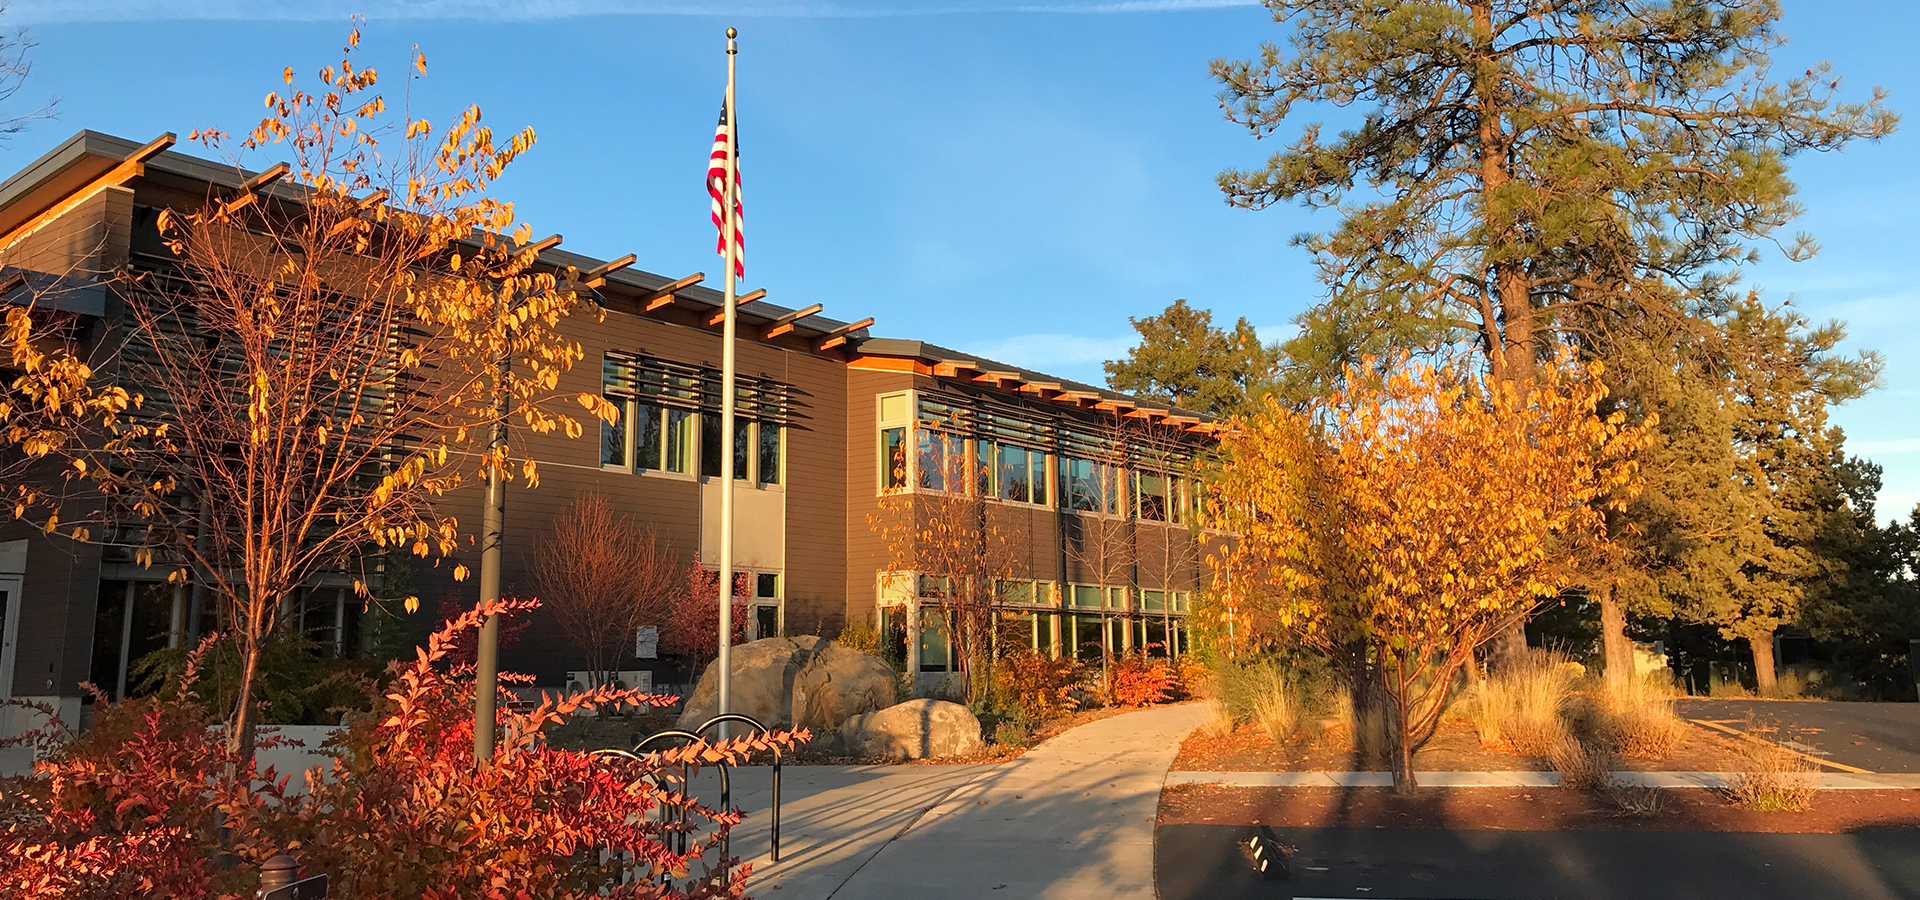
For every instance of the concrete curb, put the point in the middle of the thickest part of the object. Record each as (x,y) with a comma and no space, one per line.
(1831,781)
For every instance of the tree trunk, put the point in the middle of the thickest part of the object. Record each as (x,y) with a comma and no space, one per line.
(1613,638)
(1762,648)
(240,739)
(1403,780)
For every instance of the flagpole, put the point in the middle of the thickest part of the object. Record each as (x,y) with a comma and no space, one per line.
(729,232)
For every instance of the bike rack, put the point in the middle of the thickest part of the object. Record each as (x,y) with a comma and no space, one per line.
(697,736)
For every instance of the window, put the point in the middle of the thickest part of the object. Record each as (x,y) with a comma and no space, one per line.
(1087,595)
(1151,489)
(1027,593)
(1088,636)
(646,435)
(1088,486)
(893,459)
(1153,600)
(613,435)
(933,640)
(940,457)
(677,437)
(743,439)
(769,469)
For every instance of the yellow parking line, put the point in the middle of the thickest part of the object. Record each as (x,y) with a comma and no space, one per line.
(1717,726)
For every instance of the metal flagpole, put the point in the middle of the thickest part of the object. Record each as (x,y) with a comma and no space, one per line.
(730,233)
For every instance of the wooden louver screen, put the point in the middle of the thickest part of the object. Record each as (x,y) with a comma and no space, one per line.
(694,387)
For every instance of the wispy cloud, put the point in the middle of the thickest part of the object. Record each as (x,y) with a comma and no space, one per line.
(1871,449)
(62,11)
(1066,355)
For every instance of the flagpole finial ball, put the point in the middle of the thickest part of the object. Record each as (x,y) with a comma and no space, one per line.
(731,34)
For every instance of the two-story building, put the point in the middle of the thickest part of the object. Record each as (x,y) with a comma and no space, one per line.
(832,420)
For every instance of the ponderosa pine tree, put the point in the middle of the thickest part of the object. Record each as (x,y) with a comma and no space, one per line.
(1186,360)
(1525,168)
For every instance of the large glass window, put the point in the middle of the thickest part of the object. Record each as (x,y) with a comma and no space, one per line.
(710,444)
(893,459)
(1088,486)
(1087,595)
(1153,600)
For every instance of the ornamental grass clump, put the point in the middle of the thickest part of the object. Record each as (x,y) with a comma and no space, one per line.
(1773,779)
(1637,720)
(1521,706)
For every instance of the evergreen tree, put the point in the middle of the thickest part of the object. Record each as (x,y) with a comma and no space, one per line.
(1185,360)
(1527,174)
(1520,161)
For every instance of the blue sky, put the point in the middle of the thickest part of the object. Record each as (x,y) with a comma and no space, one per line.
(1011,178)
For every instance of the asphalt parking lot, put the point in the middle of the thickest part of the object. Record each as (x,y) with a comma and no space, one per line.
(1205,862)
(1877,737)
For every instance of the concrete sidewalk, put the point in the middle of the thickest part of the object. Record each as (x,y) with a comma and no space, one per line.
(1833,781)
(1073,818)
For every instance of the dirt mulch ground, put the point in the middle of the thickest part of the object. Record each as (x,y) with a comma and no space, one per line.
(1521,809)
(592,733)
(1455,748)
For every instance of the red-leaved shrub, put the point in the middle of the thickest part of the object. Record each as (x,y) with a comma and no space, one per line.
(146,804)
(1134,680)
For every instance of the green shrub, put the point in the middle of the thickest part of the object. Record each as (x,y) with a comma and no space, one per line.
(1012,733)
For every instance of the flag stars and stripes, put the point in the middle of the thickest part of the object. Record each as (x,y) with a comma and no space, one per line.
(717,189)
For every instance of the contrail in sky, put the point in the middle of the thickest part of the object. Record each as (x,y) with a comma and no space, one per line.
(83,11)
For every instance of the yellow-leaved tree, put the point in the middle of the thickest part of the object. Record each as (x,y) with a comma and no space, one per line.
(1399,523)
(310,366)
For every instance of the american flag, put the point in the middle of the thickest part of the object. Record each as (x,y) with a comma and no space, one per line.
(717,189)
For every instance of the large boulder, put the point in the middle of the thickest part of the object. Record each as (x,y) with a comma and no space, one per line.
(803,682)
(916,729)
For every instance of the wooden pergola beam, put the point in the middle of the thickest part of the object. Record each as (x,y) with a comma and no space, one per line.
(245,194)
(720,315)
(839,335)
(953,367)
(785,323)
(996,378)
(1040,387)
(597,276)
(542,245)
(663,295)
(132,167)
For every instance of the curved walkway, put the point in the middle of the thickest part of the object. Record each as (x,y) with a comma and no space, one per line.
(1072,818)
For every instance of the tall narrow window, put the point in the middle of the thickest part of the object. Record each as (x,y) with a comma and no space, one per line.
(677,436)
(710,445)
(985,469)
(893,459)
(769,453)
(646,435)
(742,444)
(1152,492)
(613,435)
(1015,482)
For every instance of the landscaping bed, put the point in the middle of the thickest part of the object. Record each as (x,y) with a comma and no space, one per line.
(1524,809)
(1455,747)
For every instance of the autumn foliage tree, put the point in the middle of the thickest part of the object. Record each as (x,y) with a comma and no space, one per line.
(313,366)
(692,627)
(1398,524)
(604,576)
